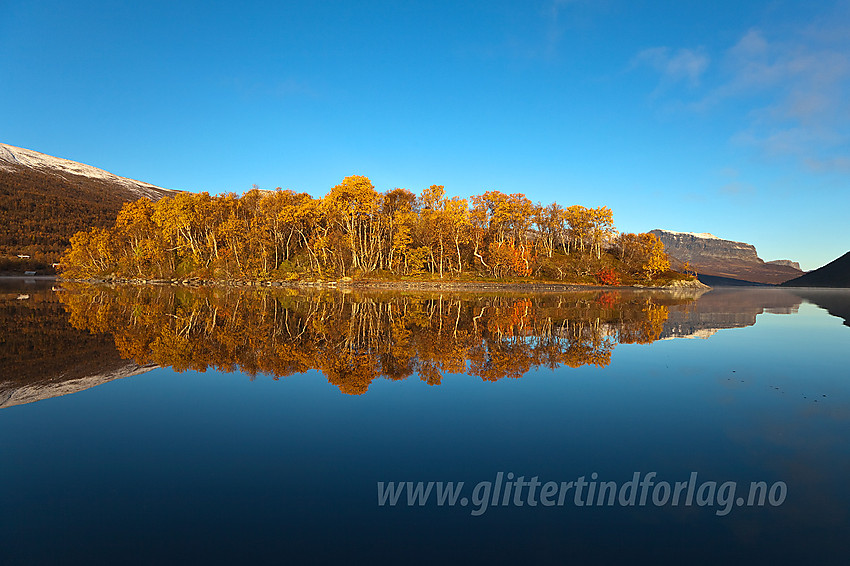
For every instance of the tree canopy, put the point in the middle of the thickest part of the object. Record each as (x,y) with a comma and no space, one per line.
(355,230)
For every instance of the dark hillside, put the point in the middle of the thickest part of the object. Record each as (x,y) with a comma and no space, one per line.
(834,274)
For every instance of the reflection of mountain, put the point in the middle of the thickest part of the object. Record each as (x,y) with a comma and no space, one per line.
(727,308)
(351,338)
(835,301)
(12,393)
(355,338)
(42,356)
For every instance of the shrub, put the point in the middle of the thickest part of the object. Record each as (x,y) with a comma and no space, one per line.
(607,276)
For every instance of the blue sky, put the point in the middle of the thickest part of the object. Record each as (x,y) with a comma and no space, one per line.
(724,117)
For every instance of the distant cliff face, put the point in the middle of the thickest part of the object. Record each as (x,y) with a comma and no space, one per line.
(787,262)
(690,247)
(710,255)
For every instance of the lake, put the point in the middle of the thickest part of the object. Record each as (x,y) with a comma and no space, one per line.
(218,425)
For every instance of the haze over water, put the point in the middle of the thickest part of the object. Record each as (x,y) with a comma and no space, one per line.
(150,424)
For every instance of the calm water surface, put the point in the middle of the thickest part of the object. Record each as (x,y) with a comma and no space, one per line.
(144,425)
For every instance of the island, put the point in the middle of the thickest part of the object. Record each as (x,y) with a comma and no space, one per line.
(357,234)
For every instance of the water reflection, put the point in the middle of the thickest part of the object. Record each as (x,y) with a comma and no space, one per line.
(63,339)
(184,460)
(729,307)
(355,338)
(41,355)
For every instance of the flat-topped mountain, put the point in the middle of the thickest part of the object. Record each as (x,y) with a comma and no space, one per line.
(710,255)
(834,274)
(44,200)
(788,262)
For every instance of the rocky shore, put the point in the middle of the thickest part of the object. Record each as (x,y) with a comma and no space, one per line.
(349,283)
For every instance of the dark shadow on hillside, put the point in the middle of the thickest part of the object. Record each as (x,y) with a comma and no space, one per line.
(717,281)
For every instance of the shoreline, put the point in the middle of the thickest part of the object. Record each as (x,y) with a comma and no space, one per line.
(31,277)
(348,284)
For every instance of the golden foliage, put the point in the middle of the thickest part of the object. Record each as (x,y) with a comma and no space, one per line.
(354,229)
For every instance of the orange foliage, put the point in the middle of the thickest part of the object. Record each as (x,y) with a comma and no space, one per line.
(354,229)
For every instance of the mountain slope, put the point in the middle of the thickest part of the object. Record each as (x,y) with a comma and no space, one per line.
(710,255)
(44,200)
(834,274)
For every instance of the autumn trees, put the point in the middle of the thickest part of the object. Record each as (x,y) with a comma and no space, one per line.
(355,229)
(354,208)
(641,254)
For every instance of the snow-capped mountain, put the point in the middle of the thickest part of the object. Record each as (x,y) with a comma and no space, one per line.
(703,235)
(13,158)
(44,200)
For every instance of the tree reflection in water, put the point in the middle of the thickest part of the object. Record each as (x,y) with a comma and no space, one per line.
(354,338)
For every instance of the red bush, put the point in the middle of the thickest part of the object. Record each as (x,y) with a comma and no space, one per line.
(607,276)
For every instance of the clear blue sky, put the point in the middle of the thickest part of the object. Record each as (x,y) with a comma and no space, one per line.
(723,117)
